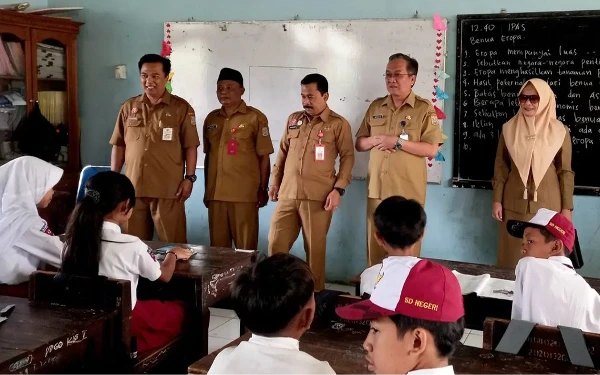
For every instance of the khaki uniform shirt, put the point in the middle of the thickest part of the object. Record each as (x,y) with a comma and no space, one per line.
(155,138)
(555,191)
(297,172)
(399,173)
(235,177)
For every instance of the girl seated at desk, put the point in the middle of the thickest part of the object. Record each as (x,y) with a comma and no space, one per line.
(26,184)
(94,245)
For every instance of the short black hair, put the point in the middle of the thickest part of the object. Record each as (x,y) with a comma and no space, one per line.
(400,221)
(154,58)
(412,65)
(446,335)
(320,80)
(268,295)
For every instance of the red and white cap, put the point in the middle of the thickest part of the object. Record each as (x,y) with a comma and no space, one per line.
(554,222)
(417,288)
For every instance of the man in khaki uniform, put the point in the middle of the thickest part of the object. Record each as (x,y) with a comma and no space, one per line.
(399,130)
(304,176)
(156,137)
(237,145)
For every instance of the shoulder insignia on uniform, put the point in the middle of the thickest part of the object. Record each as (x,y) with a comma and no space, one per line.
(265,131)
(46,230)
(434,120)
(151,252)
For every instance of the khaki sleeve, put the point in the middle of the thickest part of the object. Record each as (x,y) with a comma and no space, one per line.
(501,170)
(365,128)
(566,176)
(264,144)
(118,136)
(345,146)
(431,131)
(279,166)
(188,132)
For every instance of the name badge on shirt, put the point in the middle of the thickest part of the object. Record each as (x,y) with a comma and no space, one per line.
(167,134)
(319,152)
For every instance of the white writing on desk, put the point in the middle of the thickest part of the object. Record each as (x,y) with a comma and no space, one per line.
(75,339)
(24,362)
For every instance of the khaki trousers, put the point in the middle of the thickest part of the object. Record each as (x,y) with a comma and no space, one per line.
(293,214)
(376,253)
(166,216)
(233,221)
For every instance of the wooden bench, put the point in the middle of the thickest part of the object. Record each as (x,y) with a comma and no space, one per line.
(106,294)
(340,343)
(541,342)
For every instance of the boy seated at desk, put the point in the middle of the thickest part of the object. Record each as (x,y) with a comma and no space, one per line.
(548,290)
(400,225)
(417,318)
(275,300)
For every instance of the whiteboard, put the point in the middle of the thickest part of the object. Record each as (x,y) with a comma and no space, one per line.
(274,56)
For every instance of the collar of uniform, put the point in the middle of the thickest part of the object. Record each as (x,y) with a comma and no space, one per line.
(446,370)
(410,100)
(563,260)
(166,98)
(111,232)
(277,342)
(108,226)
(324,115)
(242,108)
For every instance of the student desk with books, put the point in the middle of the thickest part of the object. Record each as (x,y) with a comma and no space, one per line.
(203,281)
(478,308)
(340,343)
(48,339)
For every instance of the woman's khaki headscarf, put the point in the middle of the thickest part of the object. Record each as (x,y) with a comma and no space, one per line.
(533,142)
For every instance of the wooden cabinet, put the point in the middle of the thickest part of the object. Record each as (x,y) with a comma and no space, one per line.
(38,64)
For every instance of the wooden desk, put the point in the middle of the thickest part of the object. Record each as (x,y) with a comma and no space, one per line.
(205,279)
(52,339)
(341,346)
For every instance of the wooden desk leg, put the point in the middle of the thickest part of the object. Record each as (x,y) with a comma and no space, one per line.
(204,320)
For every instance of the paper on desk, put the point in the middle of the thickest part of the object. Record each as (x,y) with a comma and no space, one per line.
(485,286)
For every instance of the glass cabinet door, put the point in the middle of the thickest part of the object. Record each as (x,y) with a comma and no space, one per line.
(15,87)
(52,52)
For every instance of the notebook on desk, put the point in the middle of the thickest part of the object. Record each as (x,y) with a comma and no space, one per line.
(165,249)
(485,286)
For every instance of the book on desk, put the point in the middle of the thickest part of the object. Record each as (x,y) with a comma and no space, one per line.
(485,286)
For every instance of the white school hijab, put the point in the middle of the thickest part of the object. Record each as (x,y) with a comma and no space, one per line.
(23,183)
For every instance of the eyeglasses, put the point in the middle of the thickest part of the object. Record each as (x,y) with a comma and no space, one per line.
(395,76)
(533,99)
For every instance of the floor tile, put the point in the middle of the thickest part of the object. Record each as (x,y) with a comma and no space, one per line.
(216,321)
(229,330)
(216,343)
(222,312)
(474,340)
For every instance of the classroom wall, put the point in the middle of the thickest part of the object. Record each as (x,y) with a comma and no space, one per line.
(460,225)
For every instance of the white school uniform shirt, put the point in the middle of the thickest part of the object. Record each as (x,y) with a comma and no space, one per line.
(268,355)
(368,278)
(126,257)
(25,240)
(446,370)
(549,292)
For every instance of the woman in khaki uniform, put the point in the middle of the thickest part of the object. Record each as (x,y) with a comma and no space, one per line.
(532,168)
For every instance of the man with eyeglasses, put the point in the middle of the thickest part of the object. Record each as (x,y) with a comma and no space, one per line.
(398,130)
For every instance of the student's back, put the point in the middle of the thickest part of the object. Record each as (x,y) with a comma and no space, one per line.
(268,355)
(275,300)
(400,225)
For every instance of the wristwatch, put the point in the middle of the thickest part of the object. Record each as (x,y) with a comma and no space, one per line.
(340,190)
(191,177)
(398,144)
(266,188)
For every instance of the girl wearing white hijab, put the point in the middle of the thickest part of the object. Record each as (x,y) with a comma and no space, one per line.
(532,168)
(26,184)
